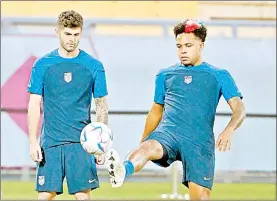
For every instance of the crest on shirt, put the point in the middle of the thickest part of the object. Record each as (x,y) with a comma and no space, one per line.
(41,180)
(187,79)
(67,77)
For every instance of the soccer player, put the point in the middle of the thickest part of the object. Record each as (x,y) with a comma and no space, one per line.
(179,126)
(66,79)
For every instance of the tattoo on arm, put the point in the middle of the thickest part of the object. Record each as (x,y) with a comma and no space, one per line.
(101,110)
(239,113)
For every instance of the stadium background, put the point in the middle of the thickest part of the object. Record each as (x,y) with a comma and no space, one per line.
(134,40)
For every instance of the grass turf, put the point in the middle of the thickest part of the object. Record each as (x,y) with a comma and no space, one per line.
(25,190)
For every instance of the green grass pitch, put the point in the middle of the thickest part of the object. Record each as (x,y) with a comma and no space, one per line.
(139,190)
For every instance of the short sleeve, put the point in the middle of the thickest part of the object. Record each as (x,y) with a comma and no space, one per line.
(99,88)
(229,88)
(35,85)
(159,96)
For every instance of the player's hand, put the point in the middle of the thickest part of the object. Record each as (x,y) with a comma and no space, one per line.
(100,159)
(35,152)
(223,142)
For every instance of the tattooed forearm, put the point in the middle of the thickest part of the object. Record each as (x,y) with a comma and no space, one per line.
(101,110)
(239,113)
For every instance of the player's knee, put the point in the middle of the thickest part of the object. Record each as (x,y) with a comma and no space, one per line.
(82,195)
(205,195)
(198,192)
(152,149)
(46,195)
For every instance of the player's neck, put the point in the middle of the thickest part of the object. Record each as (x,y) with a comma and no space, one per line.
(198,63)
(63,53)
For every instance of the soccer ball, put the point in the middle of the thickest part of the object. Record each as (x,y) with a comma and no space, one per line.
(96,138)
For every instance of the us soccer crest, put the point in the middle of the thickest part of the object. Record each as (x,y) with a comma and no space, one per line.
(67,77)
(41,180)
(188,79)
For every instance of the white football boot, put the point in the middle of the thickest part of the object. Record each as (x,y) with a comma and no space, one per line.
(116,168)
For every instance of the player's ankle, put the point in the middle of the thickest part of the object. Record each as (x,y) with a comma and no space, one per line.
(129,167)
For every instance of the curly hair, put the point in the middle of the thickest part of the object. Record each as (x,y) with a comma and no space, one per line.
(201,32)
(70,19)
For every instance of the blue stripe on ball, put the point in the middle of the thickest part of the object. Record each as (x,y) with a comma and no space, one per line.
(85,137)
(97,127)
(100,147)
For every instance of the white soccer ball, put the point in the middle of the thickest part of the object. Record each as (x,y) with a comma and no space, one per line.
(96,138)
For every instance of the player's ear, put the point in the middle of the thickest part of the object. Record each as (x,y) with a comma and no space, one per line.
(202,46)
(56,30)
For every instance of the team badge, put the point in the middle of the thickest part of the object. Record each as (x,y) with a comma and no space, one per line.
(188,79)
(41,180)
(67,77)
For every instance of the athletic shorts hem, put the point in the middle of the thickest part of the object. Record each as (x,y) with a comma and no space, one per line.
(58,192)
(91,187)
(186,183)
(161,162)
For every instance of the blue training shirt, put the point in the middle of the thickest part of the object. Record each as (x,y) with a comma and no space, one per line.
(190,96)
(67,86)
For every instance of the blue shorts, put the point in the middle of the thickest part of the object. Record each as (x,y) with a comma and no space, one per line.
(70,161)
(198,163)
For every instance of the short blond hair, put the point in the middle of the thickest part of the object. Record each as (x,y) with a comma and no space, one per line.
(70,19)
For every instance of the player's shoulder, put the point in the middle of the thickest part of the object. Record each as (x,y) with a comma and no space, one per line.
(91,62)
(213,69)
(41,61)
(168,69)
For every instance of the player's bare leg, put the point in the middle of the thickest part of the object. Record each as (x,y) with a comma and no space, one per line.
(149,150)
(197,192)
(46,195)
(85,195)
